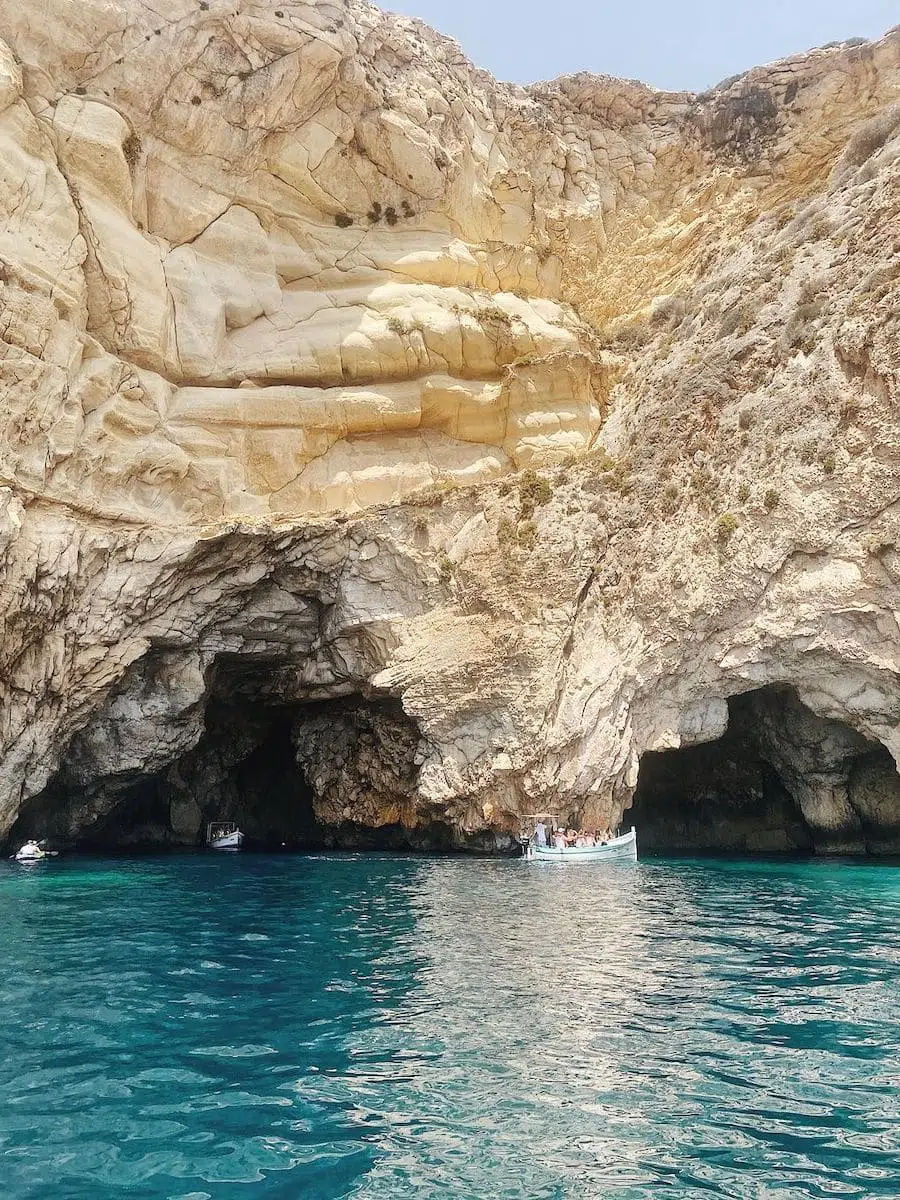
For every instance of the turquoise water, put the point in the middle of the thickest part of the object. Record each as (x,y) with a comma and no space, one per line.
(240,1027)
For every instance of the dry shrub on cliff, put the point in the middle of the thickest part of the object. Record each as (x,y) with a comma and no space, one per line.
(628,337)
(131,148)
(401,326)
(527,534)
(493,314)
(739,319)
(506,533)
(534,492)
(726,526)
(668,311)
(867,141)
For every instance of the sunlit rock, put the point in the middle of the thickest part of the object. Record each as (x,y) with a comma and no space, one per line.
(427,451)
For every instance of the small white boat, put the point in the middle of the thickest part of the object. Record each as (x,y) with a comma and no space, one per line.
(618,849)
(224,835)
(32,852)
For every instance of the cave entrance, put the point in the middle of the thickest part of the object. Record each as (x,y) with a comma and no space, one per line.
(780,780)
(244,768)
(294,775)
(306,776)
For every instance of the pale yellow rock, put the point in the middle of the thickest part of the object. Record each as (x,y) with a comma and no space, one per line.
(523,427)
(128,304)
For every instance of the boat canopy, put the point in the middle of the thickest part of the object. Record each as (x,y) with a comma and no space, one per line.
(529,820)
(218,829)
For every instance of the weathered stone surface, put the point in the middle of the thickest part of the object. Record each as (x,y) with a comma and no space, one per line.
(334,371)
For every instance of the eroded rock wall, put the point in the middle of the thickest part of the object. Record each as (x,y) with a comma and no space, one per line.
(331,367)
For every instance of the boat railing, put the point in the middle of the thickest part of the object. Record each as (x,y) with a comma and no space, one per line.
(220,829)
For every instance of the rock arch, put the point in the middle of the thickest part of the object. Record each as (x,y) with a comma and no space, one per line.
(780,779)
(176,746)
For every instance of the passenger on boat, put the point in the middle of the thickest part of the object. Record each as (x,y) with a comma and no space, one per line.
(540,834)
(590,840)
(559,840)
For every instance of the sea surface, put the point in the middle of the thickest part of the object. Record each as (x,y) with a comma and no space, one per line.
(231,1027)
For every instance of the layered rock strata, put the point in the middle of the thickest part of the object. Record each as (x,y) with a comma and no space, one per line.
(439,447)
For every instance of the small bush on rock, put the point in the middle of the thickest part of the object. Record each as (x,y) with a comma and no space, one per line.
(131,148)
(527,534)
(726,526)
(400,327)
(534,492)
(506,533)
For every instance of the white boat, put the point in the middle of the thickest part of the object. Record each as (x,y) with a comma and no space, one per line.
(224,835)
(618,849)
(32,852)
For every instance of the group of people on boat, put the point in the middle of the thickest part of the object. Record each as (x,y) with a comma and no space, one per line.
(560,838)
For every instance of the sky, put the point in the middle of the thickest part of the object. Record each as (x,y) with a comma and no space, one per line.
(671,44)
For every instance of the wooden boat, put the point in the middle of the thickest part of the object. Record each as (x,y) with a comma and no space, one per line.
(224,835)
(618,849)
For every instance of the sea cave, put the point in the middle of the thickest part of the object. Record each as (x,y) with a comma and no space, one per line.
(295,774)
(781,779)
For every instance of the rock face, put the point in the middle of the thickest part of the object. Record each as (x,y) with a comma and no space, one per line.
(389,449)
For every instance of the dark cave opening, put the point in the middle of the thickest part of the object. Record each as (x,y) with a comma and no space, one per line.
(243,768)
(327,774)
(720,795)
(780,780)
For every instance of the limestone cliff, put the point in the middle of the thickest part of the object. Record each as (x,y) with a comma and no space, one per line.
(423,450)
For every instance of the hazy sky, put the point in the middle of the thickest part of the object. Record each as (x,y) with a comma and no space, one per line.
(668,43)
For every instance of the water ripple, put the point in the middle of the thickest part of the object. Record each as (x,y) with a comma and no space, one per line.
(381,1028)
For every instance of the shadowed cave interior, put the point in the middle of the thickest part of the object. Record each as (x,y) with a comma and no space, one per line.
(242,769)
(338,773)
(780,780)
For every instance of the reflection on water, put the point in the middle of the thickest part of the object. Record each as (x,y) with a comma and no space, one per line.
(394,1027)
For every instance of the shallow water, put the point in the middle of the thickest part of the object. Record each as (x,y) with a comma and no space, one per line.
(243,1026)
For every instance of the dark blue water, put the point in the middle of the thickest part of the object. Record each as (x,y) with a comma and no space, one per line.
(241,1027)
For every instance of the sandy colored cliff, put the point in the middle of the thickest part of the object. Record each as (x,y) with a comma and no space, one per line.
(428,450)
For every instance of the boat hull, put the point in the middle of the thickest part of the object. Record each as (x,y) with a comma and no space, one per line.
(620,849)
(230,841)
(31,852)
